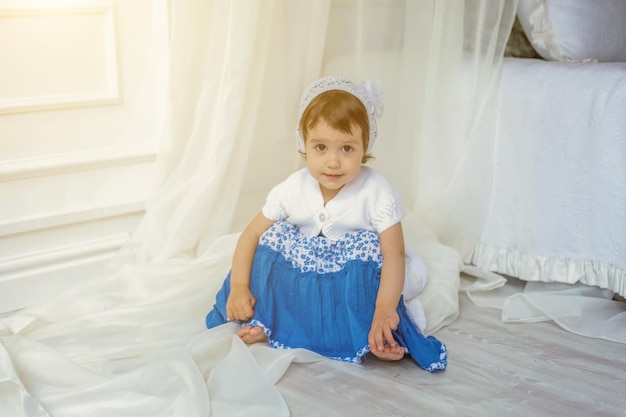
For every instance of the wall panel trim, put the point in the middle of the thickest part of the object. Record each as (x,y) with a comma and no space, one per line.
(109,95)
(71,217)
(26,277)
(18,169)
(11,267)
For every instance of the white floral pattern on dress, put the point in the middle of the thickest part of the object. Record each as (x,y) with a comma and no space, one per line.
(320,254)
(278,345)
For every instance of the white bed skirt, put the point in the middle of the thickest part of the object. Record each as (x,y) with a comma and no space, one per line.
(535,268)
(558,205)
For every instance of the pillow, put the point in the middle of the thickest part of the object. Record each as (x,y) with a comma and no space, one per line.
(576,30)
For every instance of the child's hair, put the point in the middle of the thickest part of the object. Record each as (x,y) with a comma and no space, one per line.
(341,110)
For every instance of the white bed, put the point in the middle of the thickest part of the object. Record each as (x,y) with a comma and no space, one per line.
(558,204)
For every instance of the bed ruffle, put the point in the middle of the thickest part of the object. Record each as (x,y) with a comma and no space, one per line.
(550,269)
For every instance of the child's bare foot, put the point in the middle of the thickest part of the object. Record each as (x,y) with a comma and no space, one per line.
(252,334)
(389,353)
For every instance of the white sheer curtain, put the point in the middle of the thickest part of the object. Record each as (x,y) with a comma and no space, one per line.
(236,70)
(440,71)
(135,343)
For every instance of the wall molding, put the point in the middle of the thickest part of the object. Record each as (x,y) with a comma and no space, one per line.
(64,255)
(356,3)
(29,276)
(18,169)
(69,217)
(109,95)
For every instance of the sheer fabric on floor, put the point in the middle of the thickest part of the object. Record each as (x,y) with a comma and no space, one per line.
(135,343)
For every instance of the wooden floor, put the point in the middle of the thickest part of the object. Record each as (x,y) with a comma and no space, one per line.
(494,369)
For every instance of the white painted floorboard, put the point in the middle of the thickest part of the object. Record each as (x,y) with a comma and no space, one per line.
(494,369)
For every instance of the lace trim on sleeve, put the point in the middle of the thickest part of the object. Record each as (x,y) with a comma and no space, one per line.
(274,211)
(387,214)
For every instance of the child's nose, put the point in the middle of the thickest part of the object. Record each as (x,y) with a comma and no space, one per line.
(333,160)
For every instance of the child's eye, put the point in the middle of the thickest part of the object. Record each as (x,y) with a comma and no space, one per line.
(320,147)
(348,148)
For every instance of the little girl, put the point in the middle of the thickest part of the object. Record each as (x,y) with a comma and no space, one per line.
(322,267)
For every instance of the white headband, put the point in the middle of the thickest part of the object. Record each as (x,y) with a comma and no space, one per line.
(369,93)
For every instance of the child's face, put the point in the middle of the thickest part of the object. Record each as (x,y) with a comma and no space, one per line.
(333,157)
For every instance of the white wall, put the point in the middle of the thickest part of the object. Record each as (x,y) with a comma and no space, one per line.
(81,85)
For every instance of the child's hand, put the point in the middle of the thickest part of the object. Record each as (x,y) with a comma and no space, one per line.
(385,320)
(240,304)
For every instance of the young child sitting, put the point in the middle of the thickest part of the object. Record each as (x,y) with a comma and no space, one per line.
(322,266)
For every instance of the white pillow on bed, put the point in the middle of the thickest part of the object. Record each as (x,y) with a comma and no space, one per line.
(576,30)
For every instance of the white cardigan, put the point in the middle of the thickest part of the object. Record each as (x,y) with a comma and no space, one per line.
(368,202)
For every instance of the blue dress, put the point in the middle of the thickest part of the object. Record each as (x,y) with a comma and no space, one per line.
(320,295)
